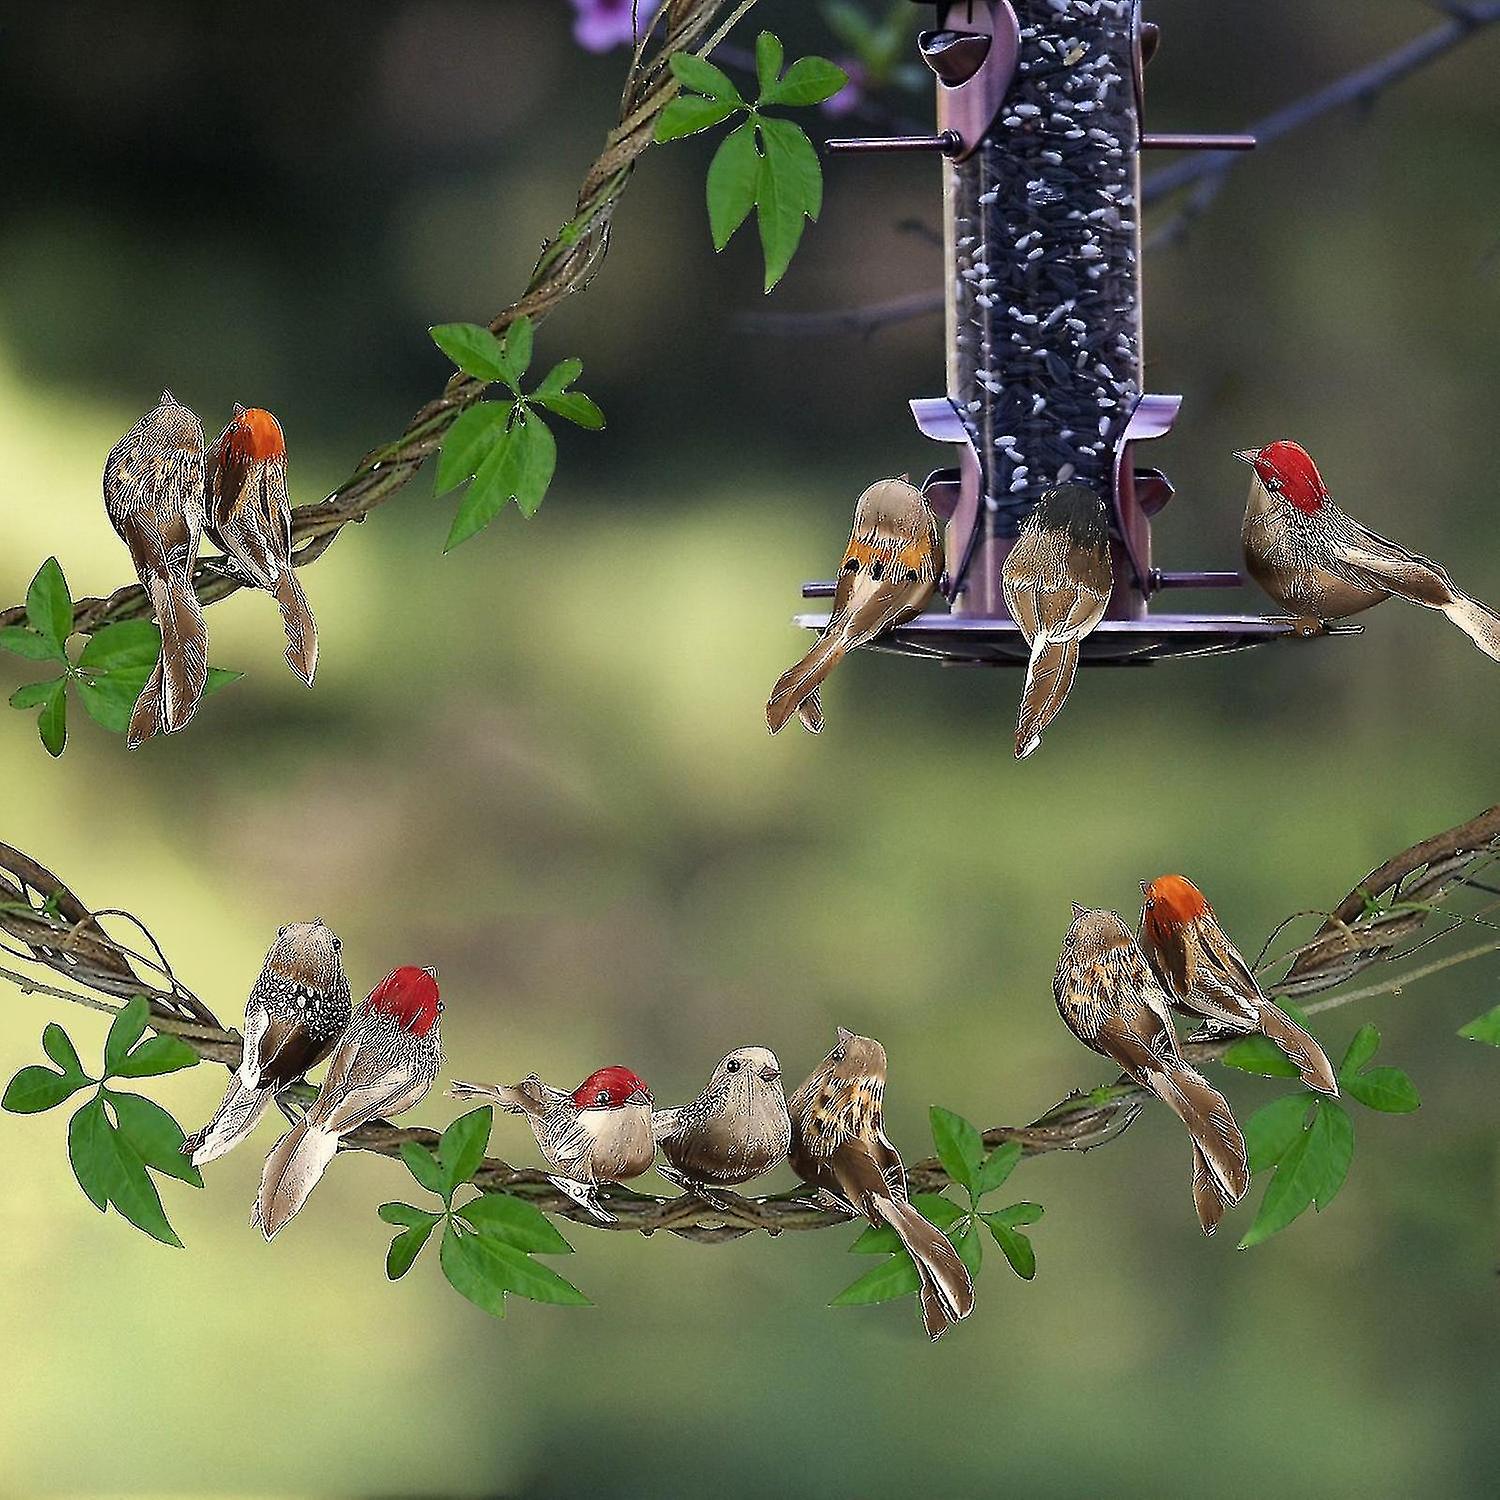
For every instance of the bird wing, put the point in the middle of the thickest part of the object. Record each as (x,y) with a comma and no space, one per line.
(1378,563)
(1222,988)
(285,1050)
(364,1084)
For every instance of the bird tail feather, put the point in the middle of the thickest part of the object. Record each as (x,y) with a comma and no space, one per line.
(291,1172)
(1300,1048)
(946,1291)
(234,1119)
(184,648)
(506,1096)
(1477,621)
(801,682)
(301,628)
(1216,1138)
(1208,1196)
(1049,677)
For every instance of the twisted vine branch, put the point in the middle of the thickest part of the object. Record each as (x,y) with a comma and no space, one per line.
(567,265)
(1383,920)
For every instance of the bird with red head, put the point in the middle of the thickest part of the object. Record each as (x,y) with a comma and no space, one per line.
(384,1064)
(1205,977)
(596,1134)
(1320,563)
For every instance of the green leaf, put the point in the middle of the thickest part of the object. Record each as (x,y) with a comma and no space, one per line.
(37,1088)
(1311,1170)
(1485,1028)
(809,80)
(520,338)
(27,643)
(783,195)
(515,1221)
(573,405)
(559,378)
(153,1135)
(519,468)
(156,1055)
(30,694)
(998,1165)
(52,722)
(126,643)
(769,56)
(896,1277)
(49,608)
(473,348)
(881,1239)
(110,697)
(469,441)
(958,1144)
(58,1045)
(125,1031)
(1361,1049)
(406,1246)
(970,1247)
(404,1213)
(733,176)
(700,74)
(423,1165)
(484,1268)
(1015,1246)
(1274,1128)
(795,162)
(1386,1089)
(219,677)
(462,1147)
(89,1153)
(1019,1213)
(689,114)
(108,1168)
(1259,1054)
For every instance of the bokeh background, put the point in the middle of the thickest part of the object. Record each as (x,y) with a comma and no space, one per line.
(540,763)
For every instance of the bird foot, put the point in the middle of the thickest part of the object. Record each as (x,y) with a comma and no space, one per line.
(693,1189)
(227,567)
(584,1195)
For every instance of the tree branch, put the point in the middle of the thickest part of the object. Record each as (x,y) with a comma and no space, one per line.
(567,265)
(1206,172)
(1376,923)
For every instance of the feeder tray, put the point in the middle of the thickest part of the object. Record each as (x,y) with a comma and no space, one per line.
(1039,106)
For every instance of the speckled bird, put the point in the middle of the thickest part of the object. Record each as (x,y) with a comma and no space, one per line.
(1111,1001)
(839,1146)
(250,521)
(1205,976)
(1057,581)
(297,1010)
(890,572)
(597,1134)
(383,1065)
(736,1129)
(154,497)
(1321,564)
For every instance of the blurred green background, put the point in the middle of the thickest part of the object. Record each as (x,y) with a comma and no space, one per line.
(540,763)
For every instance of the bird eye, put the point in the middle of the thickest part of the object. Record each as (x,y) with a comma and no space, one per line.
(440,1007)
(338,944)
(602,1097)
(1274,484)
(852,566)
(733,1065)
(837,1055)
(910,576)
(1150,903)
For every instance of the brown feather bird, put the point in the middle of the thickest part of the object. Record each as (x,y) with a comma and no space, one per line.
(1319,562)
(297,1010)
(154,497)
(250,521)
(736,1129)
(839,1146)
(890,571)
(1057,580)
(1110,1000)
(384,1064)
(1205,976)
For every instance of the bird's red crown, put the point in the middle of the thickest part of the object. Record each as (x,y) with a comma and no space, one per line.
(1286,469)
(411,997)
(1172,901)
(255,436)
(609,1088)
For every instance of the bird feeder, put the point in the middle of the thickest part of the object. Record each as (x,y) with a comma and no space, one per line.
(1039,110)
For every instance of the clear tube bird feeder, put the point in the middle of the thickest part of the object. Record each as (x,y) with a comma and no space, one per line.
(1039,106)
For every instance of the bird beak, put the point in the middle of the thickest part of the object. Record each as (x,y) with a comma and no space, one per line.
(844,1033)
(1078,911)
(639,1096)
(1248,455)
(1145,889)
(770,1074)
(430,970)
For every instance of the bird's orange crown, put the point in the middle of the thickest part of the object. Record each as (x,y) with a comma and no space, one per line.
(411,997)
(1287,470)
(1171,901)
(255,435)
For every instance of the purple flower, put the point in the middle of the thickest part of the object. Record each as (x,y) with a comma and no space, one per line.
(602,24)
(852,95)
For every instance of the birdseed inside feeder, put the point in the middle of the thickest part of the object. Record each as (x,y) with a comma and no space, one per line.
(1039,108)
